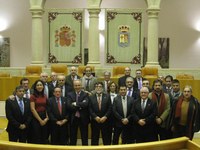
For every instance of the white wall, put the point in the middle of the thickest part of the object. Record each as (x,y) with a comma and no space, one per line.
(177,20)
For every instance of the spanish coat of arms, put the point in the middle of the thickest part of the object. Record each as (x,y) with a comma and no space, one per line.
(65,36)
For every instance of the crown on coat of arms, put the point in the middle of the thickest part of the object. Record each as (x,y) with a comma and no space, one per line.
(65,28)
(123,28)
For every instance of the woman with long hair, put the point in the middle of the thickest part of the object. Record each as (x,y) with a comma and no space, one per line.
(38,104)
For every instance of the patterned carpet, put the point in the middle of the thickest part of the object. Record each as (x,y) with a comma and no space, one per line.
(4,135)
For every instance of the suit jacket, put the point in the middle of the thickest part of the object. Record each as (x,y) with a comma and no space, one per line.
(69,82)
(165,114)
(106,107)
(118,110)
(81,106)
(93,81)
(136,83)
(149,113)
(104,85)
(15,116)
(67,89)
(51,88)
(53,111)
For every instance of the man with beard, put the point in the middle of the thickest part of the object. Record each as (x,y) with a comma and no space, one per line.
(163,105)
(100,110)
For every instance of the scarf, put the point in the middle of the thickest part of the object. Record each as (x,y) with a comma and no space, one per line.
(161,103)
(191,112)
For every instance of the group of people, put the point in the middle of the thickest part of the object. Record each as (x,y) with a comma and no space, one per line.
(52,112)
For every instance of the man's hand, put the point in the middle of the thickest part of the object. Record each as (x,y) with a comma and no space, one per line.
(103,119)
(142,122)
(125,121)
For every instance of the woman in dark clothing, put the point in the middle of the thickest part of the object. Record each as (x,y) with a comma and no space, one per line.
(38,101)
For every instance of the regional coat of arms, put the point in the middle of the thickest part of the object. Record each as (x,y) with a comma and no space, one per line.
(65,36)
(123,36)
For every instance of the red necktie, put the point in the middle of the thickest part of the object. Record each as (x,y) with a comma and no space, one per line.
(59,105)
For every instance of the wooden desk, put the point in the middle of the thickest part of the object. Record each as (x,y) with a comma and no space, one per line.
(7,86)
(172,144)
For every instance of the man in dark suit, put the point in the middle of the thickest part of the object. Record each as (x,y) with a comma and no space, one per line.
(78,103)
(58,113)
(138,79)
(122,80)
(100,110)
(144,113)
(71,77)
(131,90)
(106,81)
(63,85)
(19,116)
(52,84)
(122,113)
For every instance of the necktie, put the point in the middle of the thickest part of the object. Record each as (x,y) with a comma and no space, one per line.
(27,96)
(77,114)
(46,92)
(129,92)
(143,105)
(59,105)
(87,84)
(21,106)
(99,101)
(139,83)
(124,106)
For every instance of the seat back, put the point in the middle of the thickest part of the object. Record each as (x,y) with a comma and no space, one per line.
(118,71)
(184,76)
(59,69)
(81,70)
(149,72)
(33,70)
(4,74)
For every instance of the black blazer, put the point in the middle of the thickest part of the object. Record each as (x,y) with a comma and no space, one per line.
(106,107)
(53,112)
(149,114)
(122,80)
(118,110)
(15,116)
(82,106)
(69,82)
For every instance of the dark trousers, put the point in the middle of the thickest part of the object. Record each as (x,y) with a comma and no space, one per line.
(126,133)
(105,132)
(162,132)
(59,134)
(18,136)
(77,123)
(180,131)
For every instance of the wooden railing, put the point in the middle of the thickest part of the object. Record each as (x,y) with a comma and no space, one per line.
(172,144)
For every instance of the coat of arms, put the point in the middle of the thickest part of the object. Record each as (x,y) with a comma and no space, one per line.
(123,36)
(65,37)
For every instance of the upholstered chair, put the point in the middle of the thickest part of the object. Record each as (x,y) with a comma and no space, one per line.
(81,70)
(184,77)
(150,72)
(33,70)
(59,69)
(118,71)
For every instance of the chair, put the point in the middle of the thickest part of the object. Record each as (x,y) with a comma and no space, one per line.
(59,69)
(81,70)
(150,72)
(184,77)
(4,74)
(33,70)
(118,71)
